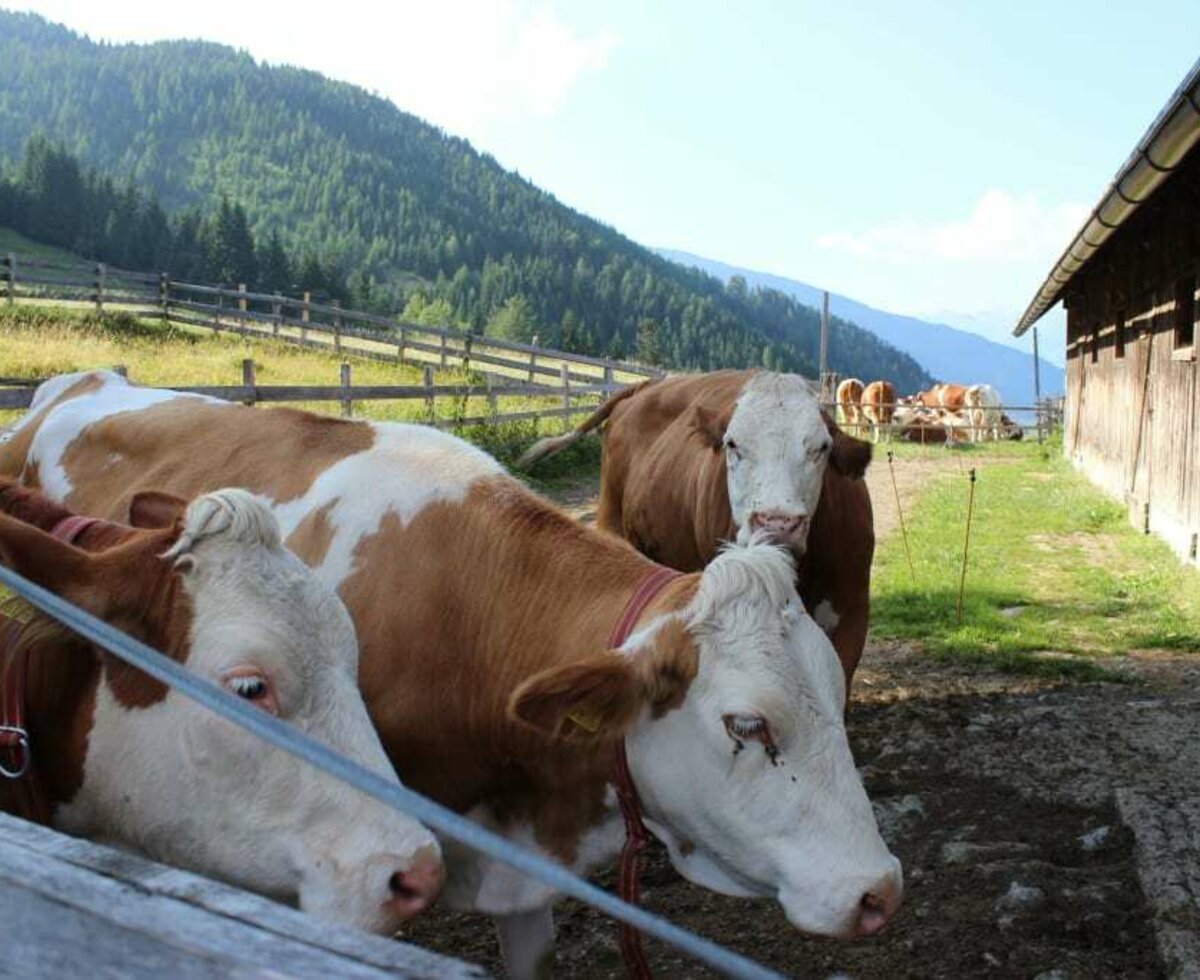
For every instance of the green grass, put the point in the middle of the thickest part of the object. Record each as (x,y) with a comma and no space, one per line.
(37,342)
(1054,569)
(10,241)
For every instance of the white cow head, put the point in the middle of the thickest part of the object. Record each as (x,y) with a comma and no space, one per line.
(167,776)
(732,710)
(776,444)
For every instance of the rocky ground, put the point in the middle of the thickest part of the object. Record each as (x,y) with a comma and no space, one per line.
(1047,829)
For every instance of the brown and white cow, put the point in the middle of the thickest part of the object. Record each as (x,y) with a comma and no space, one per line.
(696,460)
(484,615)
(944,396)
(878,407)
(114,754)
(849,403)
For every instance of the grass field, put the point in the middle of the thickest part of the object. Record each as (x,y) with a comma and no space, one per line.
(1057,581)
(38,342)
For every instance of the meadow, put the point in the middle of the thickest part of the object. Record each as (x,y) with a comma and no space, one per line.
(37,342)
(1058,582)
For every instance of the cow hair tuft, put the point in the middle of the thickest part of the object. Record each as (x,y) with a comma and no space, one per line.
(759,571)
(232,514)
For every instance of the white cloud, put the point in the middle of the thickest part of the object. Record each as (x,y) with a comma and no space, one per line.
(465,65)
(1002,227)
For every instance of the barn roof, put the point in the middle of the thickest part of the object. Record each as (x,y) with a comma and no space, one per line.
(1172,134)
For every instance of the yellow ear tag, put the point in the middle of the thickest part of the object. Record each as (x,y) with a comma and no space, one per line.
(589,721)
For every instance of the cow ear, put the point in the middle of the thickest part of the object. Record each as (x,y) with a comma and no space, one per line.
(603,696)
(710,425)
(849,456)
(584,701)
(156,509)
(55,565)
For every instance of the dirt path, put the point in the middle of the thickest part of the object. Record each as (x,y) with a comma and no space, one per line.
(1047,830)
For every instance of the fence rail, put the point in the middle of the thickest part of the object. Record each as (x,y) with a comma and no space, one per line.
(305,322)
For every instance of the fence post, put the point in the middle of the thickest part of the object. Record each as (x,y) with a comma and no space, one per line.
(443,355)
(305,313)
(276,312)
(347,404)
(99,287)
(608,377)
(10,288)
(337,325)
(428,377)
(466,358)
(400,346)
(220,305)
(491,398)
(164,296)
(532,366)
(242,304)
(249,382)
(565,374)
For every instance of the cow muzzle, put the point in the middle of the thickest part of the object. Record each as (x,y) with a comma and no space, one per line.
(780,527)
(413,889)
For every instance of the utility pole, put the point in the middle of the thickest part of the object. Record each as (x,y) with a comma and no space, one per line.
(1037,386)
(825,345)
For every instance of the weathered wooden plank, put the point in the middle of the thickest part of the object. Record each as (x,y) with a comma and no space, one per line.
(89,910)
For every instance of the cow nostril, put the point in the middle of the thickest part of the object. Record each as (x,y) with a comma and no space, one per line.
(400,888)
(873,913)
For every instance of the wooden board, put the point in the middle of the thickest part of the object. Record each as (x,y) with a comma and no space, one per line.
(71,907)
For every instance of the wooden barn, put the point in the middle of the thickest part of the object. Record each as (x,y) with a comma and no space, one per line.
(1129,282)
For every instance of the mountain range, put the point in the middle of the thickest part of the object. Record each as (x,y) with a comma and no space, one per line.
(946,352)
(409,210)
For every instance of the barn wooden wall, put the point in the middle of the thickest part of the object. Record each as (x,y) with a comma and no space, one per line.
(1132,423)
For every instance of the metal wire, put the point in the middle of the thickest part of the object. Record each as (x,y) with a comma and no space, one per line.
(962,582)
(399,798)
(900,513)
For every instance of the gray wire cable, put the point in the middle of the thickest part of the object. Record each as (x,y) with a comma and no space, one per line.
(399,798)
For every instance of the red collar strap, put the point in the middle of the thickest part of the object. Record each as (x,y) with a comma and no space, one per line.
(16,754)
(70,528)
(636,835)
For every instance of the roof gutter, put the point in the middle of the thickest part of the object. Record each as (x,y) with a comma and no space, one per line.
(1172,134)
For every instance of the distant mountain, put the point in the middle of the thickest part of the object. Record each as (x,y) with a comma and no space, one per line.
(415,215)
(947,353)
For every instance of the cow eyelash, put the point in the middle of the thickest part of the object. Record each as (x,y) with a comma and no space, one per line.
(250,687)
(747,728)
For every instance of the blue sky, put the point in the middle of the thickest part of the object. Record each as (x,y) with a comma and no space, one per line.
(924,157)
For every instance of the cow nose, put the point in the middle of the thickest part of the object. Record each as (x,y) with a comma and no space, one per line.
(878,905)
(414,889)
(779,525)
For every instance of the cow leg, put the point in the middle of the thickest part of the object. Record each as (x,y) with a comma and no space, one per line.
(849,637)
(527,943)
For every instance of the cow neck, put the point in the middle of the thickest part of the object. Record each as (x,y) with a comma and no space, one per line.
(24,791)
(636,835)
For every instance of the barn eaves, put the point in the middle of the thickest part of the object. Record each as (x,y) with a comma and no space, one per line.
(1172,134)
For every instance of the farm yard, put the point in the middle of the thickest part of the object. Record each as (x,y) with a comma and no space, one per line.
(1034,769)
(1031,766)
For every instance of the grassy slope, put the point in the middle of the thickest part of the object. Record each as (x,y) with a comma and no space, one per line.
(37,342)
(10,241)
(1057,579)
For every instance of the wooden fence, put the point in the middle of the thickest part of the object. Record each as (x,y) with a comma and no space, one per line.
(304,322)
(568,398)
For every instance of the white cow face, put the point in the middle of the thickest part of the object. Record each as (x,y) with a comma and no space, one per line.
(776,445)
(733,717)
(188,787)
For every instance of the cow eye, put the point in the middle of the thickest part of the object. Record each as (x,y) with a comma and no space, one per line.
(747,728)
(250,688)
(253,685)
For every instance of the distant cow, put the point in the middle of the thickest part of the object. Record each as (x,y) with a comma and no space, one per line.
(849,403)
(115,754)
(695,460)
(1010,430)
(981,405)
(878,406)
(943,396)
